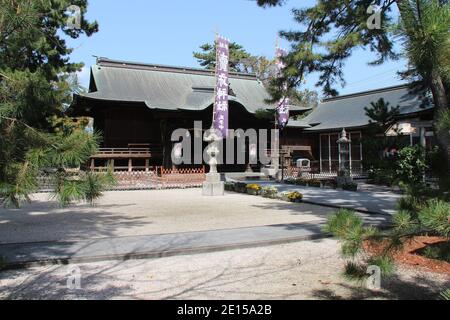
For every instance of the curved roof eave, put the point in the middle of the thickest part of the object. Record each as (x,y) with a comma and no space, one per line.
(203,106)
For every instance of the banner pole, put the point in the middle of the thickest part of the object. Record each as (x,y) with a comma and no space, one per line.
(216,42)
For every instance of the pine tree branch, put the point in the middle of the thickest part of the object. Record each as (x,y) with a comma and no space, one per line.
(15,120)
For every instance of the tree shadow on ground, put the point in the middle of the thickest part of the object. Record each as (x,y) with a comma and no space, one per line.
(37,223)
(375,201)
(318,213)
(104,282)
(394,288)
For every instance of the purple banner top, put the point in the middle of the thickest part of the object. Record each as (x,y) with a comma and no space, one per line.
(283,105)
(221,100)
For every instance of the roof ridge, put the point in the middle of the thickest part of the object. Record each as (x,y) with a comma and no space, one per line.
(106,62)
(366,93)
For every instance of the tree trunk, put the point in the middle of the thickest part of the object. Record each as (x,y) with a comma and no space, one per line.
(440,99)
(441,105)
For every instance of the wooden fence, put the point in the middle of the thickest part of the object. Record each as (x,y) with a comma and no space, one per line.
(160,178)
(152,178)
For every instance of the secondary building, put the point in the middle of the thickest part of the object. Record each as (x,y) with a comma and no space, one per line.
(322,127)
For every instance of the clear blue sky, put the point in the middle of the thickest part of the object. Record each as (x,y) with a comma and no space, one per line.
(167,32)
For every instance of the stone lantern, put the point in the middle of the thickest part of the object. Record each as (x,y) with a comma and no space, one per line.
(344,176)
(213,186)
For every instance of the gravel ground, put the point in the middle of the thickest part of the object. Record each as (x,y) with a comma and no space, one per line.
(135,213)
(304,270)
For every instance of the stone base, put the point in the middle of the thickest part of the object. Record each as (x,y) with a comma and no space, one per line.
(213,186)
(271,172)
(343,180)
(213,189)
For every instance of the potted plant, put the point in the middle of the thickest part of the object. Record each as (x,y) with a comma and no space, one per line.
(254,189)
(295,197)
(269,192)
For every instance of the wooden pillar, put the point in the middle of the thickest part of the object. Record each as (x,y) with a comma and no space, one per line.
(130,165)
(423,139)
(147,162)
(92,164)
(111,164)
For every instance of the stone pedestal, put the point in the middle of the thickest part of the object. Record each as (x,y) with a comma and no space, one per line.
(343,180)
(213,186)
(273,171)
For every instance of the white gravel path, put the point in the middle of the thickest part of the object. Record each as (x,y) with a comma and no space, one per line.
(304,270)
(133,213)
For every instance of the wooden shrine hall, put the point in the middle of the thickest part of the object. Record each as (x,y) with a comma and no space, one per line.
(136,107)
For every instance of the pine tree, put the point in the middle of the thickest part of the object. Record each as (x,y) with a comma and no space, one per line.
(382,117)
(431,217)
(35,89)
(207,57)
(265,70)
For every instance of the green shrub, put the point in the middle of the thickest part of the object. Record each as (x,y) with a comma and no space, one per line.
(240,187)
(301,182)
(347,226)
(350,186)
(356,272)
(95,183)
(404,221)
(229,186)
(409,203)
(436,216)
(382,176)
(385,263)
(314,183)
(411,167)
(290,181)
(331,183)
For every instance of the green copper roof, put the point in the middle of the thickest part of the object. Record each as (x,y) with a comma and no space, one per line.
(171,88)
(348,111)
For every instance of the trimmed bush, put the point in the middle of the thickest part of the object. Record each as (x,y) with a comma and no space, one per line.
(240,187)
(350,186)
(331,183)
(229,186)
(315,183)
(290,181)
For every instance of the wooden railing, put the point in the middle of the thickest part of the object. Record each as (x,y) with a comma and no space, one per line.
(109,155)
(122,153)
